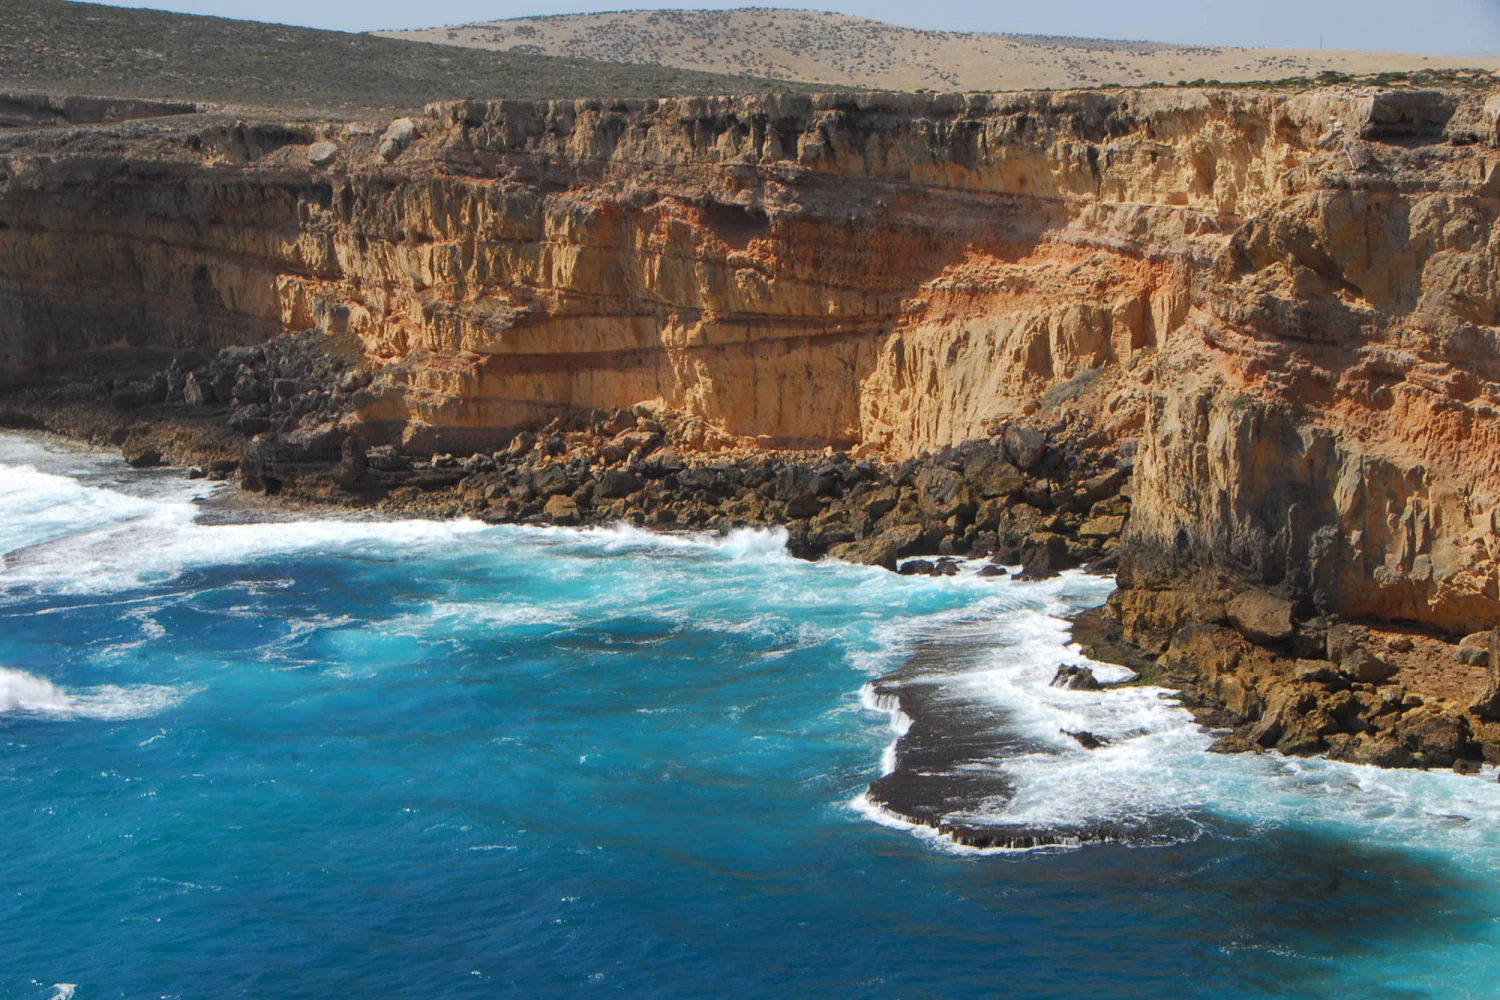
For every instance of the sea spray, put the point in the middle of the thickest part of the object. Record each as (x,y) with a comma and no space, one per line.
(23,692)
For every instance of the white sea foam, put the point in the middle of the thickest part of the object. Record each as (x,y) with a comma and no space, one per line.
(899,720)
(76,538)
(1155,771)
(877,813)
(166,541)
(24,693)
(739,543)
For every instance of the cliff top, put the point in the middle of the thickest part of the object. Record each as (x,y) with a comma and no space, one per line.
(842,51)
(81,48)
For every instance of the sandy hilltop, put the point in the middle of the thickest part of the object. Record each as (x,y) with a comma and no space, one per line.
(843,51)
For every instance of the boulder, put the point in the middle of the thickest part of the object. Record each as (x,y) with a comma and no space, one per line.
(877,504)
(195,392)
(989,474)
(942,493)
(478,463)
(616,483)
(1075,678)
(385,458)
(924,567)
(144,458)
(830,528)
(1487,705)
(1104,485)
(626,444)
(803,505)
(353,468)
(907,538)
(1043,554)
(1339,641)
(1474,649)
(321,154)
(884,549)
(1435,738)
(1017,521)
(549,480)
(249,389)
(222,386)
(1261,617)
(286,388)
(520,445)
(663,463)
(561,510)
(1315,671)
(270,459)
(617,422)
(877,551)
(395,139)
(1101,527)
(1359,664)
(1024,446)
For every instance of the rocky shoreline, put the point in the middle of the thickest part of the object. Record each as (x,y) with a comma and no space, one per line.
(279,419)
(1041,492)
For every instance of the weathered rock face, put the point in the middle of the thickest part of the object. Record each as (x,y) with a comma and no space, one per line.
(28,109)
(1289,299)
(1325,420)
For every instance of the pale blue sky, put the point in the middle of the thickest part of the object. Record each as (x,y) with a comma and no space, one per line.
(1447,26)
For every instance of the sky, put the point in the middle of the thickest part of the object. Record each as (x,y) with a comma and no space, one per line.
(1434,26)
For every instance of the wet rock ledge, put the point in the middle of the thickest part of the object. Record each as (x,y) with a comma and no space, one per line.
(1267,673)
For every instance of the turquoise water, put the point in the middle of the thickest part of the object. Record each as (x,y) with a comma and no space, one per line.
(413,759)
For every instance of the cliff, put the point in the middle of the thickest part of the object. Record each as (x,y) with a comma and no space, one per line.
(1286,302)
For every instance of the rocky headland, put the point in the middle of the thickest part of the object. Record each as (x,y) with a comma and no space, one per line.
(1239,348)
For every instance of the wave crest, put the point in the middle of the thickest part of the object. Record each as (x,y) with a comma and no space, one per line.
(22,693)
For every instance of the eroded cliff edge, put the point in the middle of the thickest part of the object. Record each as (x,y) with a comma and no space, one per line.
(1284,304)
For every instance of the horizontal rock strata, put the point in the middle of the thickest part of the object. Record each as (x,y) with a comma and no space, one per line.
(1278,310)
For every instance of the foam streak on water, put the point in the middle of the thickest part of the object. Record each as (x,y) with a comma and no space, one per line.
(398,758)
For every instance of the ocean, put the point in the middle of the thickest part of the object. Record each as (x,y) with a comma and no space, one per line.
(331,756)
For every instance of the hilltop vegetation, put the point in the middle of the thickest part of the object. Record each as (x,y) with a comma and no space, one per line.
(842,51)
(88,48)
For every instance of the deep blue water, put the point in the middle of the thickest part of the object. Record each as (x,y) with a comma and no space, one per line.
(415,759)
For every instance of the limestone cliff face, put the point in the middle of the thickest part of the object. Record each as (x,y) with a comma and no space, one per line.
(1290,300)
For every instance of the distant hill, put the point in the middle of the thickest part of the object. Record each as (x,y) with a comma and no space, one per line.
(838,50)
(88,48)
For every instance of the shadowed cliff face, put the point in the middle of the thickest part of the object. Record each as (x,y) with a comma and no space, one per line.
(1291,299)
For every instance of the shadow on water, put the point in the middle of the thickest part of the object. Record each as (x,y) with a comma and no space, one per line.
(1189,901)
(1239,912)
(1291,910)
